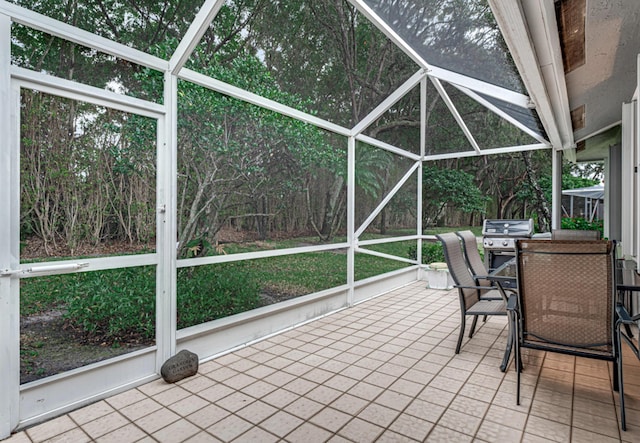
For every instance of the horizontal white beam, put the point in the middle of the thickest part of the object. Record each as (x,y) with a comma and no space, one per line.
(387,256)
(85,93)
(378,241)
(59,29)
(214,259)
(88,264)
(505,150)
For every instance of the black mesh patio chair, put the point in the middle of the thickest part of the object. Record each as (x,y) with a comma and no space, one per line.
(566,301)
(474,300)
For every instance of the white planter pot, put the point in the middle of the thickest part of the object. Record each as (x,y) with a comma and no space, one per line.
(438,276)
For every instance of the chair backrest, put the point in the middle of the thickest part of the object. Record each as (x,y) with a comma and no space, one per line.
(567,295)
(457,266)
(470,248)
(575,234)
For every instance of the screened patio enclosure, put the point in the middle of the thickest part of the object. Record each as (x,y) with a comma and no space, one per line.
(141,138)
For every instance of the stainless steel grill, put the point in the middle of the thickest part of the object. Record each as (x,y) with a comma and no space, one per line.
(499,239)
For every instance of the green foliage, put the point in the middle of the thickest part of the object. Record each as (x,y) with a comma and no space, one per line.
(115,304)
(431,253)
(206,293)
(582,224)
(569,181)
(38,295)
(450,187)
(370,166)
(119,304)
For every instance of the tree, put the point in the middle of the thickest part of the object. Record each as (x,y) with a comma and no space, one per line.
(446,188)
(237,160)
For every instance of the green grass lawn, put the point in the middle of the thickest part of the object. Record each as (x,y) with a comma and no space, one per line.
(87,294)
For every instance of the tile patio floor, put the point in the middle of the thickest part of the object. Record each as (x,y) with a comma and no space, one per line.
(382,371)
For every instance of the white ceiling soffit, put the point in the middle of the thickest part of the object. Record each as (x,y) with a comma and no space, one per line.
(607,76)
(530,32)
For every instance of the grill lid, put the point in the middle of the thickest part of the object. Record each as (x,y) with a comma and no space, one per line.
(508,228)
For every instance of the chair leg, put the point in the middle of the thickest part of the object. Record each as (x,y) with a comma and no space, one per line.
(517,357)
(473,326)
(462,327)
(618,375)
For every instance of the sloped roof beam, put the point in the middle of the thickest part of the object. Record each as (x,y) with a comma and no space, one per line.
(388,102)
(387,147)
(455,113)
(503,114)
(195,32)
(249,97)
(515,28)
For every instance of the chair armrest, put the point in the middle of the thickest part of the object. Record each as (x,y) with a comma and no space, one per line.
(481,277)
(627,288)
(512,303)
(482,288)
(624,316)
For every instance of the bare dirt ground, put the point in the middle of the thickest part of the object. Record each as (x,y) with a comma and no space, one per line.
(49,345)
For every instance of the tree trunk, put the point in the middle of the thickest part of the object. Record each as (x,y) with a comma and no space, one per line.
(541,200)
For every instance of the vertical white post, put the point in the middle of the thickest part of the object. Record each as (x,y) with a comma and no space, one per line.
(351,215)
(628,215)
(636,165)
(166,224)
(9,235)
(423,149)
(556,189)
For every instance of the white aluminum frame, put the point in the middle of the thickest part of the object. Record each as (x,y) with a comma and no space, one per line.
(456,115)
(9,248)
(195,32)
(49,397)
(637,160)
(65,31)
(22,405)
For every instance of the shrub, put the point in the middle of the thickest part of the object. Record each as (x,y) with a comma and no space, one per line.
(581,223)
(120,304)
(431,253)
(115,303)
(206,293)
